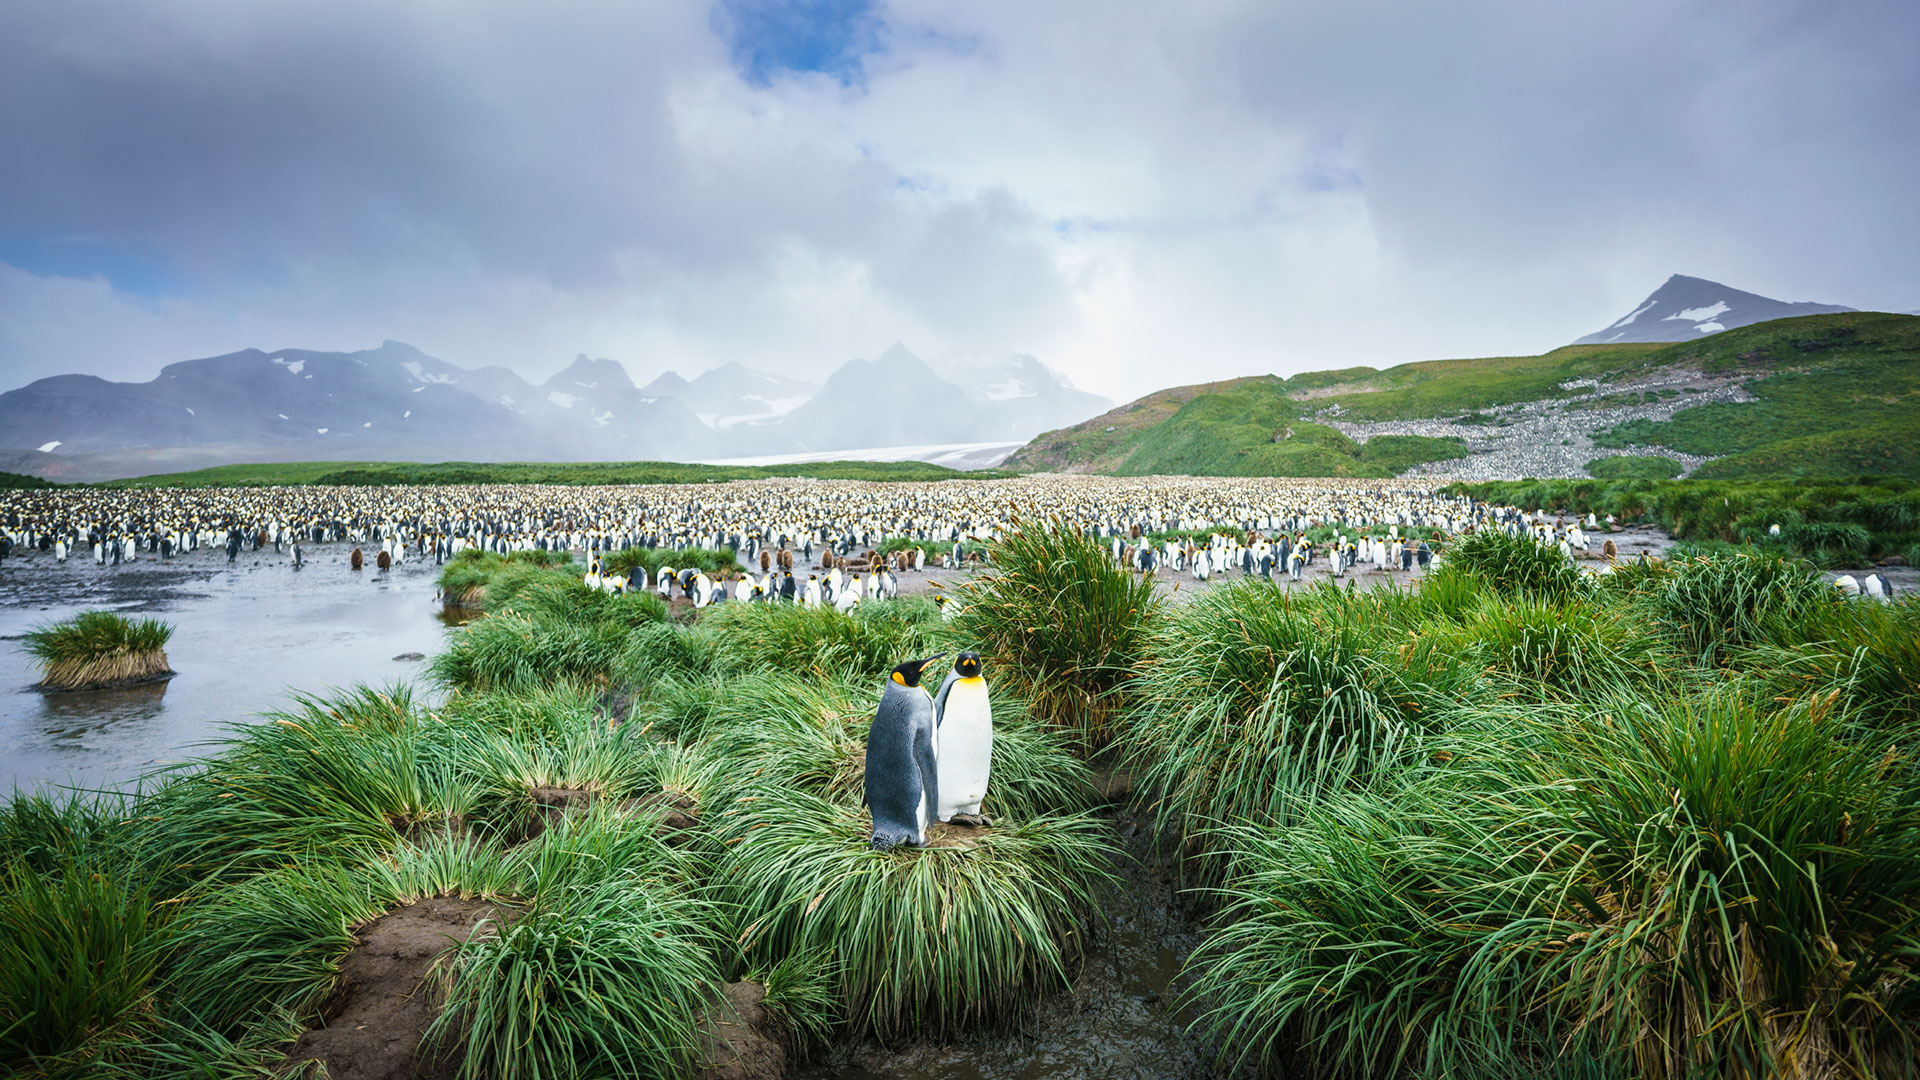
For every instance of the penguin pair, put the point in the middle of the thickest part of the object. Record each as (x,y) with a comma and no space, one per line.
(928,759)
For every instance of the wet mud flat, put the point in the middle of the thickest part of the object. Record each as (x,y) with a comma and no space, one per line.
(1124,1018)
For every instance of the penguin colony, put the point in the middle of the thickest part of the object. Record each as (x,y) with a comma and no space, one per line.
(784,526)
(790,521)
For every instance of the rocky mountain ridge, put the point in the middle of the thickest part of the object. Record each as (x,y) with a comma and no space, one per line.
(396,402)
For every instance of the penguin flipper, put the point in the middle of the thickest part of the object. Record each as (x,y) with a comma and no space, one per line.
(929,766)
(940,699)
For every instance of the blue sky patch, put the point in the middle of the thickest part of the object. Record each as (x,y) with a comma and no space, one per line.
(142,272)
(769,38)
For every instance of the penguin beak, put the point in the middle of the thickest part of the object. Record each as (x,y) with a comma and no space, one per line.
(929,660)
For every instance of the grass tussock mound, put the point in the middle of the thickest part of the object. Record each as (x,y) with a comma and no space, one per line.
(1063,625)
(1513,565)
(98,649)
(924,941)
(1633,887)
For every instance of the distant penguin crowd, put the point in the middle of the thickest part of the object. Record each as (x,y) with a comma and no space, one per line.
(829,543)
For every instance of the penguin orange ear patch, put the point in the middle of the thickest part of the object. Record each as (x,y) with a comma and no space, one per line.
(899,678)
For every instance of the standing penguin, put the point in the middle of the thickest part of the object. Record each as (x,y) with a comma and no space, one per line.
(902,782)
(963,722)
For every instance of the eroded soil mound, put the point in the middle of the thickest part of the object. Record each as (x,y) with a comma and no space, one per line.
(740,1039)
(383,1003)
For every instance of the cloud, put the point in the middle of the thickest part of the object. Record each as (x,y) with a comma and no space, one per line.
(1139,194)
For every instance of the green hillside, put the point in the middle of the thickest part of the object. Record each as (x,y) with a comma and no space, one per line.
(1838,395)
(1244,427)
(378,473)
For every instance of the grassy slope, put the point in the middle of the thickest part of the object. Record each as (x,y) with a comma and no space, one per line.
(1838,397)
(1242,427)
(536,472)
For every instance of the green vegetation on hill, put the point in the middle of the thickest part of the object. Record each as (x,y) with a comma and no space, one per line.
(1630,467)
(1433,388)
(16,480)
(381,473)
(1839,395)
(1836,523)
(1246,427)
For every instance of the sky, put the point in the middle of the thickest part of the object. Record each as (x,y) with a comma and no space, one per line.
(1141,194)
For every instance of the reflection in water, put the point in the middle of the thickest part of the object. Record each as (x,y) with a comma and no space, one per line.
(72,715)
(246,636)
(455,615)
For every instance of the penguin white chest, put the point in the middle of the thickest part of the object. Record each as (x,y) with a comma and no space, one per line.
(966,748)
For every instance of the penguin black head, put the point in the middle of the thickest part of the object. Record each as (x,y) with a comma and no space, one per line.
(908,674)
(967,665)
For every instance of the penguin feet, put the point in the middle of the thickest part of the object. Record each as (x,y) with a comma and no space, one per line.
(971,821)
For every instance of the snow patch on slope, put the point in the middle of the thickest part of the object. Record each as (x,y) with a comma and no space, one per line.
(1700,314)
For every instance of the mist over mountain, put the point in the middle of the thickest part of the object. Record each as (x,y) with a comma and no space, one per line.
(398,403)
(1685,308)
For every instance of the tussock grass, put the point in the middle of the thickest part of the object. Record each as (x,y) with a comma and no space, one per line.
(801,989)
(332,777)
(1865,654)
(1715,605)
(1561,649)
(1062,624)
(82,946)
(98,649)
(820,642)
(661,653)
(923,941)
(600,979)
(710,560)
(514,652)
(1255,699)
(1513,565)
(506,773)
(1714,885)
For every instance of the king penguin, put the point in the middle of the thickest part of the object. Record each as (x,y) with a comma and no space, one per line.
(963,722)
(903,777)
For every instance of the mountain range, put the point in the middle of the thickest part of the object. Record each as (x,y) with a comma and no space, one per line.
(395,402)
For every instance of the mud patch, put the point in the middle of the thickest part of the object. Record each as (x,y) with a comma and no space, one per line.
(384,1002)
(940,834)
(740,1038)
(682,812)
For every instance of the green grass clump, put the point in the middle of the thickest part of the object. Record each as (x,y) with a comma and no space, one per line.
(600,979)
(824,642)
(1061,624)
(1716,604)
(467,578)
(1513,565)
(1865,654)
(1253,700)
(1634,467)
(99,648)
(510,651)
(1633,888)
(82,947)
(334,777)
(1557,648)
(923,941)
